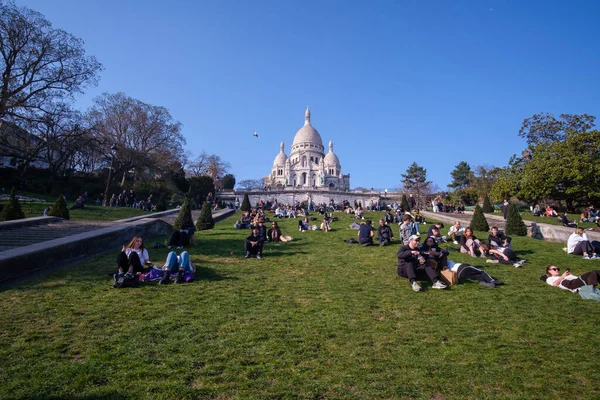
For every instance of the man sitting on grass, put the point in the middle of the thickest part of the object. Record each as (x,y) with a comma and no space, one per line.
(254,244)
(412,265)
(384,233)
(365,233)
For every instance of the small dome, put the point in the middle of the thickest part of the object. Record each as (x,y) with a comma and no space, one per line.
(281,157)
(331,158)
(307,133)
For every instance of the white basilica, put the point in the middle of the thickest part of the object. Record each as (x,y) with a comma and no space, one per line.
(307,166)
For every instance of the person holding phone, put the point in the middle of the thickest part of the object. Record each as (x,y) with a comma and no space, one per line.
(568,281)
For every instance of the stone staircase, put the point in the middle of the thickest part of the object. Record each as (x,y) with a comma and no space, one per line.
(19,236)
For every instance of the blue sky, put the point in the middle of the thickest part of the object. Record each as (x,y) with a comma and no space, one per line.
(389,82)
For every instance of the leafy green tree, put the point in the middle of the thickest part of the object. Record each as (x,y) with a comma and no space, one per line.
(483,179)
(245,203)
(12,210)
(205,220)
(514,222)
(404,203)
(184,218)
(461,176)
(415,180)
(228,182)
(487,205)
(478,222)
(60,208)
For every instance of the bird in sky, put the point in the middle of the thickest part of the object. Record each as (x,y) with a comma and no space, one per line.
(255,134)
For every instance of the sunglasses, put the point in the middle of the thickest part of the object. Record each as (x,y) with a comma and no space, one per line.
(554,269)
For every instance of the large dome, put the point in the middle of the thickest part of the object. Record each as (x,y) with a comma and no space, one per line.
(307,133)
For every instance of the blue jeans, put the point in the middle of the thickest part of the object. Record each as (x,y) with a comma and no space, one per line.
(174,263)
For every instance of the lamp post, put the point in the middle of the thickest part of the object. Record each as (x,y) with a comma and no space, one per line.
(113,153)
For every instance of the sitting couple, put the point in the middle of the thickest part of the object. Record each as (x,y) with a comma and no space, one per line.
(134,257)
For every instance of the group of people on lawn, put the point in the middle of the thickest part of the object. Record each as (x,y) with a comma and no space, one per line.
(415,260)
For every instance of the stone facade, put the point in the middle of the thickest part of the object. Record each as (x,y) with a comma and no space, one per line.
(307,166)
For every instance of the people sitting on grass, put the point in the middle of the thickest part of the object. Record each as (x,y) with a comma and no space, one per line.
(502,255)
(304,225)
(176,266)
(550,212)
(469,244)
(359,213)
(181,238)
(537,211)
(133,257)
(435,231)
(254,244)
(244,222)
(412,265)
(563,218)
(432,252)
(385,235)
(568,281)
(365,233)
(405,229)
(466,271)
(456,231)
(388,217)
(594,215)
(579,244)
(498,239)
(586,216)
(79,203)
(325,227)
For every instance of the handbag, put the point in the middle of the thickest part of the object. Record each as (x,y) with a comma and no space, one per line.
(588,292)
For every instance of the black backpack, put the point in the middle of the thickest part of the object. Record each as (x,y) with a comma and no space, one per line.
(124,280)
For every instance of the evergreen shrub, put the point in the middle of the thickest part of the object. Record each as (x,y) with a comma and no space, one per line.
(487,205)
(205,220)
(478,222)
(245,203)
(12,210)
(514,222)
(60,208)
(184,218)
(404,203)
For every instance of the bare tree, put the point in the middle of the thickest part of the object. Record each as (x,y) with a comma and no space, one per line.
(147,137)
(208,164)
(40,65)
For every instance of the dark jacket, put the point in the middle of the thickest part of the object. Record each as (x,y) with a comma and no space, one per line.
(385,232)
(405,257)
(498,241)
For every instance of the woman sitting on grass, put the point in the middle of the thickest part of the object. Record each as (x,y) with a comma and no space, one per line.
(469,244)
(579,244)
(569,281)
(430,250)
(133,257)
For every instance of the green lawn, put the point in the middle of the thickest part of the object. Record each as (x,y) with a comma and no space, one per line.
(528,215)
(89,213)
(316,318)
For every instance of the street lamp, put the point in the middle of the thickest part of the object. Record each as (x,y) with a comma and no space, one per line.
(113,153)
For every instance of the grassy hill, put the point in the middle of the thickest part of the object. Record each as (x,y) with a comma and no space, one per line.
(316,318)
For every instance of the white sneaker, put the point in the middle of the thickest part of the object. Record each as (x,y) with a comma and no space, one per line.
(455,242)
(415,286)
(439,285)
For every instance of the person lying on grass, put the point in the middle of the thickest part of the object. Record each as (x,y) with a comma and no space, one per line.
(502,255)
(178,266)
(568,281)
(133,257)
(412,265)
(466,271)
